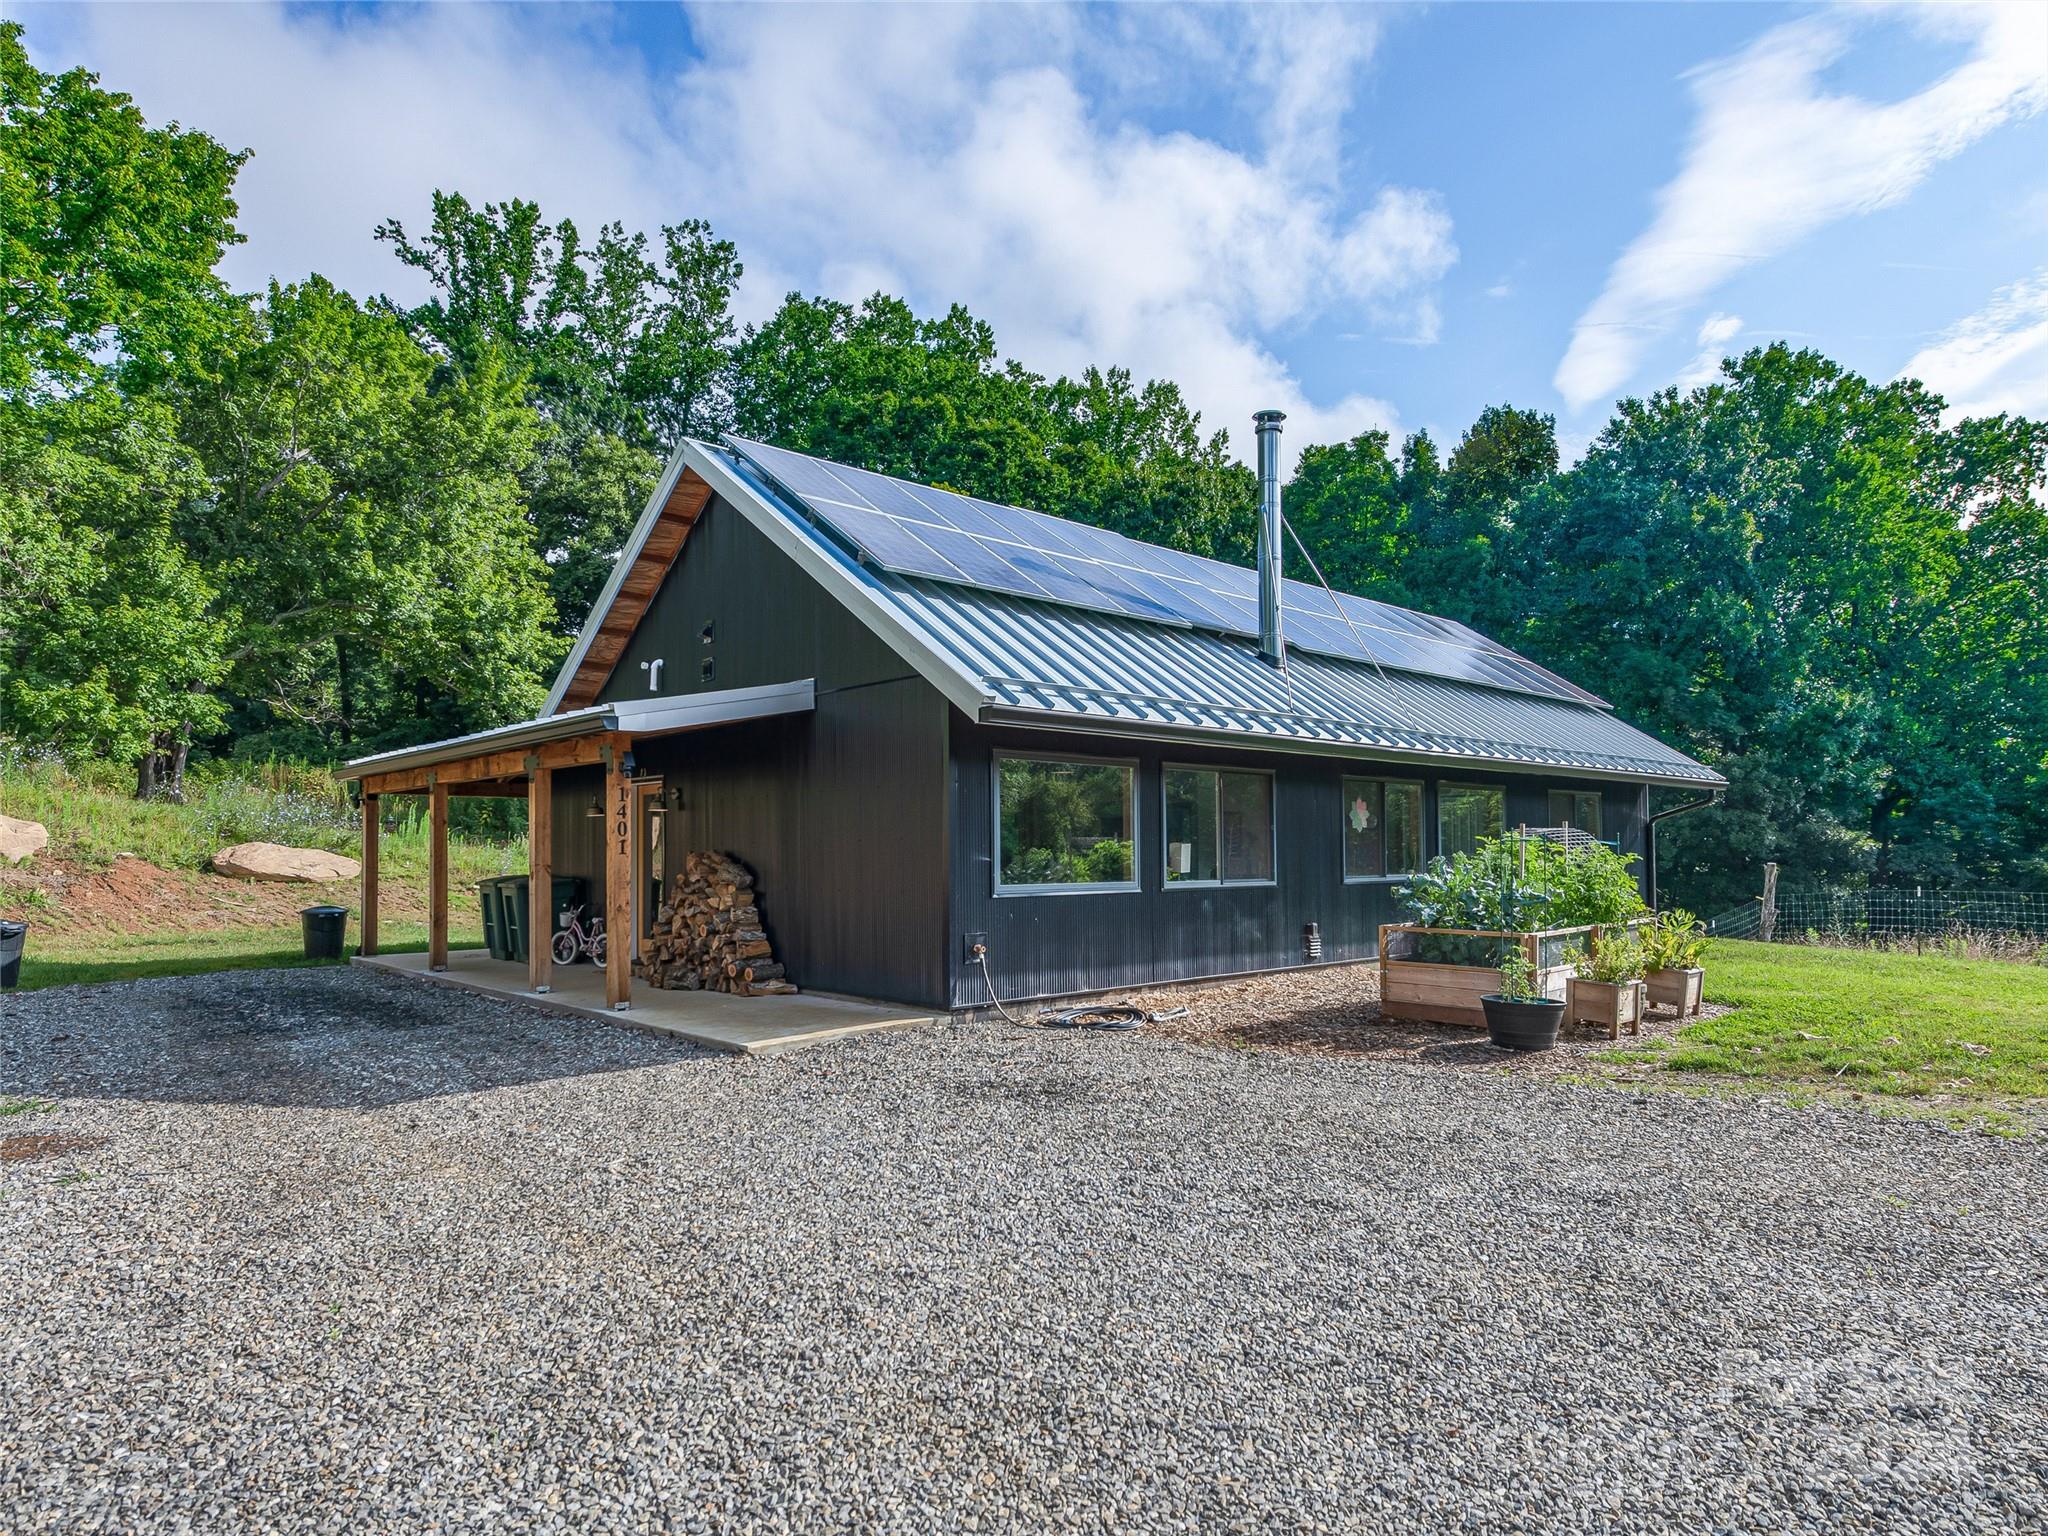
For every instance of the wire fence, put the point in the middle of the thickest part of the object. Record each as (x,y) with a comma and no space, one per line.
(1862,916)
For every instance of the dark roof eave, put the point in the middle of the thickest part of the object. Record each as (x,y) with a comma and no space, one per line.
(637,717)
(1140,730)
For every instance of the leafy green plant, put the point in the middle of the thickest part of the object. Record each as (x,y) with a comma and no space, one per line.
(1483,889)
(1676,941)
(1612,961)
(1518,976)
(1588,885)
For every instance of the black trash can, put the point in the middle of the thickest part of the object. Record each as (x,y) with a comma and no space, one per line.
(326,931)
(12,937)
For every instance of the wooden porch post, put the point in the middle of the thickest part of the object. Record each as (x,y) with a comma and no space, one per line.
(437,877)
(618,877)
(540,875)
(372,806)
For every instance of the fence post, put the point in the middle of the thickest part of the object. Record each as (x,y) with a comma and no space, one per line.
(1767,919)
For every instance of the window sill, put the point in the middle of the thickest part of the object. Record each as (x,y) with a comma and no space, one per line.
(1221,885)
(1066,890)
(1380,879)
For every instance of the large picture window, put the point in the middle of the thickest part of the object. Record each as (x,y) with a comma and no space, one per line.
(1064,825)
(1467,812)
(1219,827)
(1382,828)
(1576,808)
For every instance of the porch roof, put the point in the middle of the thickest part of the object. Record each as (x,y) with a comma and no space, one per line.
(627,718)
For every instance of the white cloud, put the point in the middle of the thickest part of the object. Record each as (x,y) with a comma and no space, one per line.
(965,149)
(1774,156)
(357,118)
(1995,360)
(1716,331)
(992,156)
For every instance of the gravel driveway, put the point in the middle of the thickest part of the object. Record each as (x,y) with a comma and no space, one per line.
(357,1254)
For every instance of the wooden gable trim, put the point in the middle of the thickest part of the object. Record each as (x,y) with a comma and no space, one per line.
(643,578)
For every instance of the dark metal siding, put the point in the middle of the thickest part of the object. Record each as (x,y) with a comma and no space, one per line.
(841,813)
(1047,945)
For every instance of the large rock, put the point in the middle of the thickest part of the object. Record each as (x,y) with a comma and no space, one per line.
(274,861)
(19,839)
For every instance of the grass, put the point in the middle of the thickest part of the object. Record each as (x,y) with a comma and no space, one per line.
(1908,1027)
(92,818)
(132,957)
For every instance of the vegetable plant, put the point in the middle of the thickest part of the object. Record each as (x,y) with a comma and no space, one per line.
(1677,941)
(1518,976)
(1613,962)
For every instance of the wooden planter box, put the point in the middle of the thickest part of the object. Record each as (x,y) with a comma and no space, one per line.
(1677,989)
(1439,991)
(1609,1004)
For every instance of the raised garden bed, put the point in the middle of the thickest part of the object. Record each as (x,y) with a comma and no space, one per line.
(1438,975)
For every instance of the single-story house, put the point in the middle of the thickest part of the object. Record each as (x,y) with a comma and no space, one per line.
(945,733)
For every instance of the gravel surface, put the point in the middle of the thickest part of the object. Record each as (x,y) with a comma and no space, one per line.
(356,1254)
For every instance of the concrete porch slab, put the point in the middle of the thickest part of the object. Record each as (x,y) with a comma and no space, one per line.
(752,1026)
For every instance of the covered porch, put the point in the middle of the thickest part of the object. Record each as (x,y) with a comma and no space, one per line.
(523,761)
(753,1026)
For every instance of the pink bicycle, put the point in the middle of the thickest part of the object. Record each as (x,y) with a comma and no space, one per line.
(575,940)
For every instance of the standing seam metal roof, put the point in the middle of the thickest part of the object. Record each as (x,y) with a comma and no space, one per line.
(1053,665)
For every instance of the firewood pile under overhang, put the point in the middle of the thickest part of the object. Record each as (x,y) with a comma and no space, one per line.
(708,936)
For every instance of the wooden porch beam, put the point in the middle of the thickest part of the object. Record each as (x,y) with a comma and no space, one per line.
(577,752)
(540,875)
(618,878)
(372,808)
(437,877)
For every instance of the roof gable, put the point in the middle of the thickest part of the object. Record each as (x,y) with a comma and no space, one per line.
(999,656)
(678,501)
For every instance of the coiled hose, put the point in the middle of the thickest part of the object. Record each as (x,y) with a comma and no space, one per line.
(1112,1016)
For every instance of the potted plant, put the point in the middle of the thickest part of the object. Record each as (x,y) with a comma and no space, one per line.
(1606,987)
(1674,947)
(1519,1016)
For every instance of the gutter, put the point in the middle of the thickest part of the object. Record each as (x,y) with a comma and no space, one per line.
(1650,835)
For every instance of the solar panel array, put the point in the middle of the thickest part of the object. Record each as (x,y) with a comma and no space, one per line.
(917,530)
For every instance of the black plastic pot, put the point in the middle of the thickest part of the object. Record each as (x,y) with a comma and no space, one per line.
(1521,1025)
(326,929)
(13,936)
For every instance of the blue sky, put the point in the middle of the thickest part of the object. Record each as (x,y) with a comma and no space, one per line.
(1369,216)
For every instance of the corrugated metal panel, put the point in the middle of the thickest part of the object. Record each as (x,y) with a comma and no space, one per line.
(1053,665)
(1120,673)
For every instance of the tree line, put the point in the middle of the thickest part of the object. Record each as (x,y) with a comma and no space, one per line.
(306,524)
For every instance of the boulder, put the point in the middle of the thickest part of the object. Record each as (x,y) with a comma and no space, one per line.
(19,839)
(274,861)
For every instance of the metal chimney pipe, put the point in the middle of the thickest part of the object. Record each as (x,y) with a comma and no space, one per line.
(1272,643)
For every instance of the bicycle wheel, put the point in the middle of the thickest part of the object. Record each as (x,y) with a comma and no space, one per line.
(565,947)
(598,950)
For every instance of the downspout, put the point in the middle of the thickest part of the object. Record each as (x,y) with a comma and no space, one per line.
(1650,836)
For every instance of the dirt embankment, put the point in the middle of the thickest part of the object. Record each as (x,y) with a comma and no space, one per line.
(69,898)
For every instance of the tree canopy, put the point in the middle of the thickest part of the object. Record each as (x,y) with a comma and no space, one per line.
(300,523)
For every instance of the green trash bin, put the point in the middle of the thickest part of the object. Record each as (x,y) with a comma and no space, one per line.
(569,889)
(496,939)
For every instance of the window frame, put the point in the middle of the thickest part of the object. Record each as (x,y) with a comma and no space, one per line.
(1599,809)
(1216,772)
(995,807)
(1421,789)
(1500,789)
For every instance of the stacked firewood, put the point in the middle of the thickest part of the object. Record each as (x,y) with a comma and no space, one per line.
(708,935)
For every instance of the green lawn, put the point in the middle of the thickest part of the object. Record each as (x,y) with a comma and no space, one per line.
(1912,1026)
(131,957)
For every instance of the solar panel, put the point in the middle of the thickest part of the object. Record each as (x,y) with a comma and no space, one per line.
(920,530)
